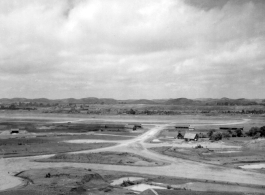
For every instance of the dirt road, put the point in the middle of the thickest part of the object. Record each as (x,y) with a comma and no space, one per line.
(175,167)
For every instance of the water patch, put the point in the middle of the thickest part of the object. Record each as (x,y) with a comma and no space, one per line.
(120,180)
(142,187)
(200,186)
(220,152)
(253,166)
(87,141)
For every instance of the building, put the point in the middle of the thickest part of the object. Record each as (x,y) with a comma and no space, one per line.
(180,136)
(128,126)
(137,125)
(14,131)
(185,127)
(191,137)
(231,128)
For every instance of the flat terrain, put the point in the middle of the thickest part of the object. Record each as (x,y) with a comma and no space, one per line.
(139,145)
(113,158)
(68,180)
(46,145)
(221,157)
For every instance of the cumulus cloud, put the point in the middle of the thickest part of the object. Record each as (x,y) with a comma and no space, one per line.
(140,49)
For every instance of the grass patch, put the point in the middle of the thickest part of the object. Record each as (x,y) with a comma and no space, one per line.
(115,158)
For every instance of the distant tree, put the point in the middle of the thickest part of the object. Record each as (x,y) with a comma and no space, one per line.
(239,133)
(256,136)
(131,111)
(216,136)
(262,131)
(226,135)
(12,107)
(253,131)
(210,133)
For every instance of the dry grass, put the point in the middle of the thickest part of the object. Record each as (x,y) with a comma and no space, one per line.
(116,158)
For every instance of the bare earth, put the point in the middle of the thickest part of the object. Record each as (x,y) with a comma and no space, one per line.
(175,168)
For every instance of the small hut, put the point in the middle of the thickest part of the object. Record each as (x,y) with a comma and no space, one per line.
(14,131)
(180,136)
(191,137)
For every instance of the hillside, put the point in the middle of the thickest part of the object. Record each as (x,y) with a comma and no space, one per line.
(176,101)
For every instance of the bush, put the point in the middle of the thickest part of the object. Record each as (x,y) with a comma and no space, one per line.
(262,131)
(253,131)
(256,136)
(216,136)
(226,135)
(210,133)
(239,133)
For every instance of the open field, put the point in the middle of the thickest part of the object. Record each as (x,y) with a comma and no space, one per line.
(116,158)
(136,153)
(214,156)
(40,146)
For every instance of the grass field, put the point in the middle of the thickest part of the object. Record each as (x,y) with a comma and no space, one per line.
(115,158)
(46,145)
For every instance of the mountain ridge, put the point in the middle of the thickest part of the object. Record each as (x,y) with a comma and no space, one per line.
(173,101)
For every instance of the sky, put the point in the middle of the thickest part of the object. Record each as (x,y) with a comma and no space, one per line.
(140,49)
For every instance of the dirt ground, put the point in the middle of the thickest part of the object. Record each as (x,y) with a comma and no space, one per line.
(187,192)
(176,167)
(114,158)
(227,157)
(73,181)
(45,145)
(64,181)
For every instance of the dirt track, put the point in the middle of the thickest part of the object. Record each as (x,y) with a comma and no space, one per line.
(176,167)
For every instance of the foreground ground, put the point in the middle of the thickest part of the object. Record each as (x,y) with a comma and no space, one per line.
(174,167)
(71,181)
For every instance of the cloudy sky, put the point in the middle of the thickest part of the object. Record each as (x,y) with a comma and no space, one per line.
(132,49)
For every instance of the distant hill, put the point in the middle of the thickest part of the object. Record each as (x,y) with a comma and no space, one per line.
(232,102)
(141,101)
(177,101)
(182,101)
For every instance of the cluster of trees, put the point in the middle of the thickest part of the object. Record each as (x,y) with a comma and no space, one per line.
(148,112)
(26,106)
(256,132)
(14,107)
(243,111)
(217,135)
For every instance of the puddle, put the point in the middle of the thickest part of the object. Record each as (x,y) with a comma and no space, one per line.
(142,187)
(120,180)
(87,141)
(199,186)
(221,152)
(227,151)
(253,166)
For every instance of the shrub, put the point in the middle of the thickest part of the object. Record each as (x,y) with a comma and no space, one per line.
(216,136)
(239,133)
(210,133)
(253,131)
(256,136)
(262,131)
(226,135)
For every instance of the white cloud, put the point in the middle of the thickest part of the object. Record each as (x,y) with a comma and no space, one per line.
(98,48)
